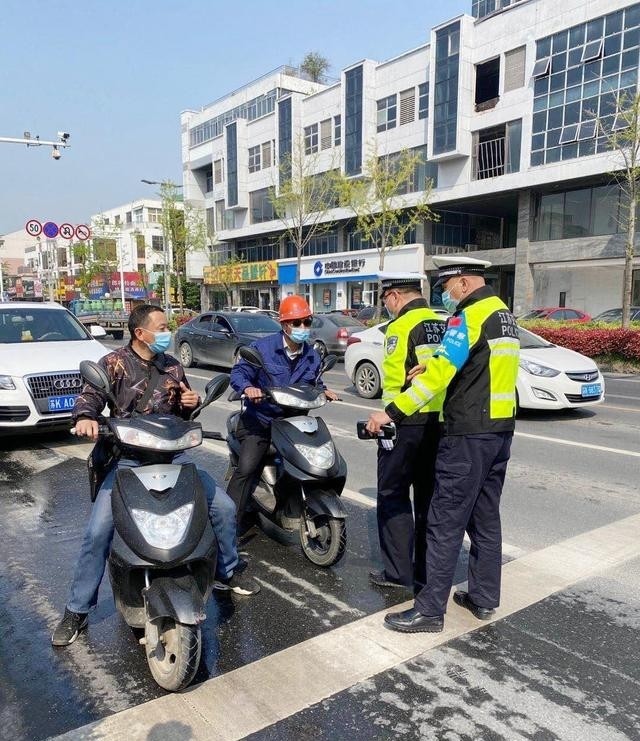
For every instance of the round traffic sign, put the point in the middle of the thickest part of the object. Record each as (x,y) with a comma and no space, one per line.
(50,230)
(66,231)
(34,228)
(83,232)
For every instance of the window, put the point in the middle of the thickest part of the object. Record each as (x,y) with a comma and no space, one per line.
(116,220)
(217,172)
(157,268)
(311,139)
(592,50)
(266,155)
(587,130)
(487,82)
(423,100)
(154,215)
(445,94)
(157,243)
(514,64)
(569,134)
(353,95)
(387,112)
(577,213)
(583,212)
(208,176)
(261,206)
(541,67)
(337,130)
(325,134)
(137,216)
(407,106)
(620,123)
(604,210)
(127,218)
(210,221)
(254,158)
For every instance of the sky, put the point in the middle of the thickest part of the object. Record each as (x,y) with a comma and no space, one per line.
(116,75)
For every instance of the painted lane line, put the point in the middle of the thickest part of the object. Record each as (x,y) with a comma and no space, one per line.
(572,443)
(621,409)
(620,396)
(280,685)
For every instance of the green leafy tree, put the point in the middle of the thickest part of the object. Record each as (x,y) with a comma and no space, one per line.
(99,256)
(304,198)
(378,200)
(623,137)
(315,66)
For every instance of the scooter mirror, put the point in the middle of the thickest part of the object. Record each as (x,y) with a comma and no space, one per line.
(252,356)
(320,348)
(96,377)
(328,362)
(215,388)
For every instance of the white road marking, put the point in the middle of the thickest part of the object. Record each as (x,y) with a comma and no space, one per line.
(620,396)
(280,685)
(573,443)
(620,409)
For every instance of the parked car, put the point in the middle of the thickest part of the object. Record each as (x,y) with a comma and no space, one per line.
(556,314)
(372,312)
(614,316)
(41,346)
(550,377)
(330,332)
(215,337)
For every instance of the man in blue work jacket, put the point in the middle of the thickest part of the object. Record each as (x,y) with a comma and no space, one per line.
(289,359)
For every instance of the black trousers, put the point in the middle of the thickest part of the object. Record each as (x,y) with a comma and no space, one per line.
(470,471)
(255,439)
(401,529)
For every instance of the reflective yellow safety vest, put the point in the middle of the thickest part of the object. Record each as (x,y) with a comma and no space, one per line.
(476,365)
(411,340)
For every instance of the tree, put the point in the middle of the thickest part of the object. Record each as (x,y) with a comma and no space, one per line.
(303,199)
(623,137)
(315,66)
(224,265)
(98,257)
(383,218)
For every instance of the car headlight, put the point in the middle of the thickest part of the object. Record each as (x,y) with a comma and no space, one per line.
(142,439)
(538,370)
(289,400)
(7,384)
(322,456)
(163,531)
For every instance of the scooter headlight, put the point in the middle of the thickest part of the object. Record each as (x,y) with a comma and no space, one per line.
(143,439)
(163,531)
(289,400)
(322,456)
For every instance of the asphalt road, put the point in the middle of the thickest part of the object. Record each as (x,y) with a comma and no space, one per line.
(561,665)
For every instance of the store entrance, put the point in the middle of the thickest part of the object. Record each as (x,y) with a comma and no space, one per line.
(324,297)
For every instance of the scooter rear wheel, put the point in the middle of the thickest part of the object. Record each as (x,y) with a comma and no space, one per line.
(328,545)
(174,660)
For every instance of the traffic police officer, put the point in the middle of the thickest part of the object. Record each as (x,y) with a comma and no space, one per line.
(477,366)
(408,460)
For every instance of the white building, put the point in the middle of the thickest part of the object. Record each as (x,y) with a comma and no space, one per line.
(501,104)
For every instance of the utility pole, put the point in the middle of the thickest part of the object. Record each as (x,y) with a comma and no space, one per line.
(36,141)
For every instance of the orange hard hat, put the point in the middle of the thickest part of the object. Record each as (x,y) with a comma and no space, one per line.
(293,307)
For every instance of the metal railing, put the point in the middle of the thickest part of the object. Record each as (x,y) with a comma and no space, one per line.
(490,158)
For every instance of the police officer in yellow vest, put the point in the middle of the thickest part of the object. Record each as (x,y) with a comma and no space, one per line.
(476,365)
(408,460)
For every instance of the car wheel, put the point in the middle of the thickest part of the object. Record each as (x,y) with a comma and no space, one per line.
(367,380)
(186,355)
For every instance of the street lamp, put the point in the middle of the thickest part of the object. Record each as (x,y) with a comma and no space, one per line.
(164,185)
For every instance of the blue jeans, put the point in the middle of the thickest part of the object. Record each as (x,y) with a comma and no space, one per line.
(99,534)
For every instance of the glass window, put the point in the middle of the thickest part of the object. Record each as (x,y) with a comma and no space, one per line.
(569,134)
(387,113)
(446,98)
(254,158)
(261,206)
(542,67)
(587,130)
(311,139)
(577,211)
(337,130)
(604,210)
(423,100)
(550,216)
(353,121)
(266,155)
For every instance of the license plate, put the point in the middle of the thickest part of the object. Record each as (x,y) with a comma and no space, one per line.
(591,389)
(62,403)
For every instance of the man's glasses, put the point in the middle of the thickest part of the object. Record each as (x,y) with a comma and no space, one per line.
(299,322)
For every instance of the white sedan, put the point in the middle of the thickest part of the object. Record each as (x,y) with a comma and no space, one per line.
(41,346)
(550,377)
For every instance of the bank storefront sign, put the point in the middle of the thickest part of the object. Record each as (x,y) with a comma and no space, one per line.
(243,272)
(338,267)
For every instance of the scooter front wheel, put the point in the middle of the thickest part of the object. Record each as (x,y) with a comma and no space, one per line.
(174,659)
(325,542)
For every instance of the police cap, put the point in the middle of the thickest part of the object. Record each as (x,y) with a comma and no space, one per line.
(448,267)
(412,281)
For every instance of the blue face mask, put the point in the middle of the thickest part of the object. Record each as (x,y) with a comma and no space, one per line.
(450,304)
(300,335)
(161,342)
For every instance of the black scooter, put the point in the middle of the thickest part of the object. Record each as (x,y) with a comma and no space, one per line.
(303,473)
(163,555)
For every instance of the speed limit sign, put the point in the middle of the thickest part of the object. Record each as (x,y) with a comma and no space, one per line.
(34,228)
(66,231)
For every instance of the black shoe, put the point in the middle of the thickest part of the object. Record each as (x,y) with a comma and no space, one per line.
(482,613)
(246,523)
(69,628)
(412,621)
(379,578)
(238,584)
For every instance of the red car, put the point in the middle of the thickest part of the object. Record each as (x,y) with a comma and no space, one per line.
(556,314)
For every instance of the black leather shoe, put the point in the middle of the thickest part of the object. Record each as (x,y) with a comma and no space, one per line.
(482,613)
(412,621)
(379,578)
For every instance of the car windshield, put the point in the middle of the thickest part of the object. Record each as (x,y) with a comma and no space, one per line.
(249,322)
(18,325)
(529,341)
